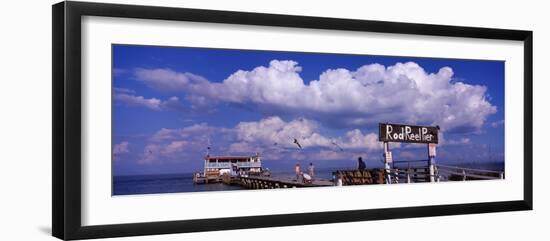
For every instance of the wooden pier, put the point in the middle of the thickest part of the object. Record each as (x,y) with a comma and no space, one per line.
(400,172)
(258,182)
(348,177)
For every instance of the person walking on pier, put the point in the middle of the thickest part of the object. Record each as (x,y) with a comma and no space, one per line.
(311,170)
(297,171)
(361,164)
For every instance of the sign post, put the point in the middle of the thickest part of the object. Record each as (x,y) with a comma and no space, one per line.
(431,156)
(409,134)
(387,160)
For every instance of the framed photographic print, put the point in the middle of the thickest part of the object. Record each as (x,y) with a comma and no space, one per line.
(169,120)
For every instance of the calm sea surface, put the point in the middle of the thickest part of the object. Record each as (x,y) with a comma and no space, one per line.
(183,182)
(163,183)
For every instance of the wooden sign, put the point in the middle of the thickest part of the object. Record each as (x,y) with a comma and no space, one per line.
(408,133)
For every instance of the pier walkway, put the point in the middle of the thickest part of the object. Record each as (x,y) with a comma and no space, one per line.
(256,182)
(401,172)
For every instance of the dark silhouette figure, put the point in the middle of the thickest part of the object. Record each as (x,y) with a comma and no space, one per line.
(361,164)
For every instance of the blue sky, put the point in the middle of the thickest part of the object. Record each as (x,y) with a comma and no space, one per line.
(170,103)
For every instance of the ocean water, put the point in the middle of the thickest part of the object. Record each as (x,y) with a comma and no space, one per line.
(163,183)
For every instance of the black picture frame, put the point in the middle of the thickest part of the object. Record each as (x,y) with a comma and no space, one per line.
(66,128)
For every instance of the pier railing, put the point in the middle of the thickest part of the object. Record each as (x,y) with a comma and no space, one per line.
(454,173)
(410,171)
(418,171)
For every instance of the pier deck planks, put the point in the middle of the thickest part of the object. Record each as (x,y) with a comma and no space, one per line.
(272,182)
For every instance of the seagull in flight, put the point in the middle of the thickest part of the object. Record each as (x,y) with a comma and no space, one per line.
(297,143)
(334,143)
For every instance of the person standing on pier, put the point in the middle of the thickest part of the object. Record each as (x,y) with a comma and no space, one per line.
(297,171)
(311,170)
(361,164)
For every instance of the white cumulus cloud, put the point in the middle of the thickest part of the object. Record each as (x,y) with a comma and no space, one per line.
(275,131)
(167,79)
(272,137)
(132,100)
(154,152)
(120,148)
(127,97)
(373,93)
